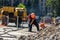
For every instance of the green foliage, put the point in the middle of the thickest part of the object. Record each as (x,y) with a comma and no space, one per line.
(51,2)
(21,5)
(48,2)
(49,14)
(54,5)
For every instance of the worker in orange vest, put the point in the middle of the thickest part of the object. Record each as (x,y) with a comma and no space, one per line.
(32,20)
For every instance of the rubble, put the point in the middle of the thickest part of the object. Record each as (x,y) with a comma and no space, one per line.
(49,33)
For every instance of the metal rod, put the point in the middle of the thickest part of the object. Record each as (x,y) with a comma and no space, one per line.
(17,21)
(7,20)
(12,1)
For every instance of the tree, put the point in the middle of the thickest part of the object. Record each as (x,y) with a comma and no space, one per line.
(58,8)
(48,2)
(21,5)
(54,5)
(1,3)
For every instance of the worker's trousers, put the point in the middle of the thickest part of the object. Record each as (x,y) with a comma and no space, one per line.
(35,23)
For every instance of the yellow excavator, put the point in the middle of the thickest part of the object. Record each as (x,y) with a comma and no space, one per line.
(13,12)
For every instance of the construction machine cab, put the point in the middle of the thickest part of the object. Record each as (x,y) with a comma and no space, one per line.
(21,12)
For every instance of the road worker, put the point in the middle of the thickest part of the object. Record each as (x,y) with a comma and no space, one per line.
(32,20)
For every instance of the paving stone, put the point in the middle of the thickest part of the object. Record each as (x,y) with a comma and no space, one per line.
(2,33)
(49,33)
(5,35)
(9,39)
(1,29)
